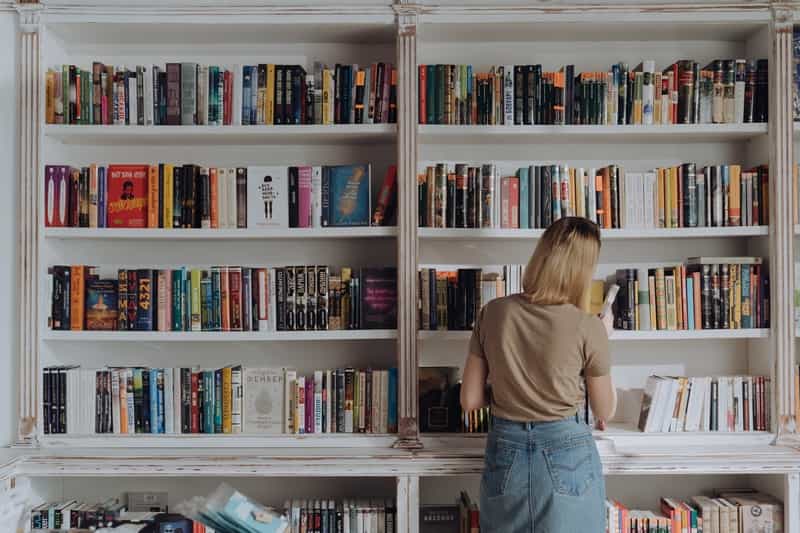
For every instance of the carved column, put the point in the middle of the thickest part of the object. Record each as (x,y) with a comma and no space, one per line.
(29,115)
(408,436)
(781,236)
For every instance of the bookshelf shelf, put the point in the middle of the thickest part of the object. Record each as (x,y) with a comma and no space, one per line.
(220,234)
(674,133)
(221,135)
(611,234)
(218,336)
(243,440)
(619,335)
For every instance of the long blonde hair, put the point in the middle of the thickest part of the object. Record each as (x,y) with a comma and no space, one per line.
(561,267)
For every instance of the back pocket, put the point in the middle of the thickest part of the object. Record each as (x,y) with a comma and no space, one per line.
(571,465)
(499,462)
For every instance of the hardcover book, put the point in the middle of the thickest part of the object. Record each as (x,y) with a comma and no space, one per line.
(263,400)
(56,196)
(101,304)
(127,196)
(346,195)
(379,298)
(267,197)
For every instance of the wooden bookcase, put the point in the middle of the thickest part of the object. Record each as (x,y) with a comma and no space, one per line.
(410,467)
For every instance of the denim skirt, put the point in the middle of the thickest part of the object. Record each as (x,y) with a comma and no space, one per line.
(542,476)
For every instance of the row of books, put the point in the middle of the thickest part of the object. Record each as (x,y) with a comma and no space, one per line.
(479,196)
(723,403)
(705,293)
(440,407)
(182,94)
(229,400)
(360,515)
(727,511)
(222,298)
(724,91)
(462,517)
(166,195)
(451,299)
(73,515)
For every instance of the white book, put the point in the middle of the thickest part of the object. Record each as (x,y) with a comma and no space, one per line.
(644,300)
(316,197)
(177,407)
(693,406)
(236,74)
(202,95)
(92,412)
(169,413)
(722,404)
(592,196)
(131,413)
(649,404)
(271,312)
(237,399)
(738,405)
(299,392)
(508,95)
(148,96)
(669,405)
(263,400)
(649,185)
(115,401)
(317,401)
(648,91)
(222,197)
(267,197)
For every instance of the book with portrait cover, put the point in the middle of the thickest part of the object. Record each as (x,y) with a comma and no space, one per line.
(127,196)
(101,304)
(263,400)
(267,197)
(346,195)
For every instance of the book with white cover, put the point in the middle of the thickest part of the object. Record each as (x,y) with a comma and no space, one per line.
(263,400)
(267,197)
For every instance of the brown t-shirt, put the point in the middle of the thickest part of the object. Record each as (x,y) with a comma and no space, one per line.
(537,356)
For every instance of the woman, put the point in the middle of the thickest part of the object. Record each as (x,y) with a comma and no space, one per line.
(542,471)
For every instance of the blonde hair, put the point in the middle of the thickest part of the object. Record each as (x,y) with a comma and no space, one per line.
(561,267)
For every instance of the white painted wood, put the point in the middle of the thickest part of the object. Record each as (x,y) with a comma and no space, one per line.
(674,133)
(607,234)
(189,441)
(221,135)
(117,234)
(217,336)
(791,503)
(621,335)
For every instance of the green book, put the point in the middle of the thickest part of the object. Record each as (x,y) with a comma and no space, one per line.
(524,198)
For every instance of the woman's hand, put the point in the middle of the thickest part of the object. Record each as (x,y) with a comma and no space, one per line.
(608,322)
(600,424)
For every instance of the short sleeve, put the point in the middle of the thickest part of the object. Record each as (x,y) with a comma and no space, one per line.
(597,359)
(475,342)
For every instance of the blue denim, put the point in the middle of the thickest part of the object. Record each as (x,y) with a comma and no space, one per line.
(542,476)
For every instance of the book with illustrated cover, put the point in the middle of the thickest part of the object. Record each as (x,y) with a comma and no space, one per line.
(379,298)
(267,197)
(101,304)
(263,400)
(346,195)
(56,196)
(127,196)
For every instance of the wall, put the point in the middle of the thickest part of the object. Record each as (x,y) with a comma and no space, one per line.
(8,223)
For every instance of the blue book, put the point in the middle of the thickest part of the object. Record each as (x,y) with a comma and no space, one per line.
(161,407)
(524,197)
(208,401)
(177,288)
(186,299)
(726,182)
(216,295)
(217,401)
(555,195)
(247,77)
(346,193)
(392,408)
(690,302)
(153,400)
(746,303)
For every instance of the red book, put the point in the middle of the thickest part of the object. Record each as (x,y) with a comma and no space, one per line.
(304,197)
(213,180)
(387,198)
(127,196)
(235,297)
(509,202)
(423,77)
(195,427)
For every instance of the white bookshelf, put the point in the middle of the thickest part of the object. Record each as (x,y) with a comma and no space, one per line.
(640,466)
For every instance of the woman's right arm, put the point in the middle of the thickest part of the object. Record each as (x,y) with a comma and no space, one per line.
(599,385)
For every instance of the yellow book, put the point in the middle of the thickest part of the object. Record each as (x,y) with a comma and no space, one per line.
(679,297)
(196,324)
(227,400)
(734,196)
(326,91)
(596,296)
(661,298)
(269,99)
(636,321)
(50,97)
(152,197)
(573,199)
(657,98)
(168,192)
(651,282)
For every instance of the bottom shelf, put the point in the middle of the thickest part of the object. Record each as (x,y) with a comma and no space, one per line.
(333,440)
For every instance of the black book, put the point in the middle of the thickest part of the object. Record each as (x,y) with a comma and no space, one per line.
(724,280)
(569,94)
(473,197)
(133,299)
(546,190)
(535,197)
(280,298)
(613,171)
(707,297)
(340,399)
(241,197)
(300,297)
(461,199)
(146,401)
(177,195)
(294,209)
(186,400)
(761,106)
(98,401)
(716,297)
(47,395)
(83,212)
(450,203)
(205,198)
(378,298)
(280,94)
(433,298)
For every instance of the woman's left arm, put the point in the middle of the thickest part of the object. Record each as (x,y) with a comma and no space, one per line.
(473,383)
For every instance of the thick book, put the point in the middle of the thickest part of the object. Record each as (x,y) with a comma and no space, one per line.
(263,409)
(101,304)
(346,192)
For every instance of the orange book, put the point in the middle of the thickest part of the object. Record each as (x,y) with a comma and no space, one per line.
(661,218)
(50,98)
(684,298)
(77,294)
(224,290)
(679,196)
(698,306)
(152,197)
(673,513)
(214,185)
(606,198)
(423,78)
(598,185)
(735,196)
(123,401)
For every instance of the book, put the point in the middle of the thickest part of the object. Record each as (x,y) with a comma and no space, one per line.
(346,195)
(101,304)
(127,196)
(263,400)
(267,197)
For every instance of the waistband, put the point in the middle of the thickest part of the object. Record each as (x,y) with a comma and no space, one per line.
(498,422)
